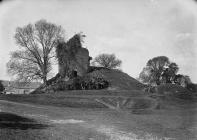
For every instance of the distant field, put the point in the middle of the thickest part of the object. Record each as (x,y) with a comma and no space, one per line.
(86,99)
(81,99)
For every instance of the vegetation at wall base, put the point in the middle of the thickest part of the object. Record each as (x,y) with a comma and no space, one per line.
(97,78)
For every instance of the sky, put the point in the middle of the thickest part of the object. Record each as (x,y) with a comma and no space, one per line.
(134,30)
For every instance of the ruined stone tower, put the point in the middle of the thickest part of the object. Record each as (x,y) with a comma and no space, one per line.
(72,57)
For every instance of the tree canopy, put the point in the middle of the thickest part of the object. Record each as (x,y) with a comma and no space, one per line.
(159,70)
(107,60)
(36,42)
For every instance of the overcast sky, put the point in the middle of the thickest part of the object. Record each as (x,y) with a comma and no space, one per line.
(135,30)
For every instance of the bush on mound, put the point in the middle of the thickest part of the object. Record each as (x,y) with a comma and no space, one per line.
(91,81)
(192,87)
(88,82)
(174,90)
(97,78)
(171,88)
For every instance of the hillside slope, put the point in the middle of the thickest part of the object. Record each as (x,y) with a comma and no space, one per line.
(118,80)
(121,81)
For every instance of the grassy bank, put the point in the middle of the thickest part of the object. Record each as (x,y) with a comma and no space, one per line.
(80,99)
(53,100)
(87,99)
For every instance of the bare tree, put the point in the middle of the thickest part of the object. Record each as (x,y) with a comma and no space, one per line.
(36,42)
(107,60)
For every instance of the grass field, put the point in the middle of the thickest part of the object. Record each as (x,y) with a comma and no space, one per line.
(80,99)
(75,115)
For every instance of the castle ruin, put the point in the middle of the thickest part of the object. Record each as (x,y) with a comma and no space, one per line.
(73,59)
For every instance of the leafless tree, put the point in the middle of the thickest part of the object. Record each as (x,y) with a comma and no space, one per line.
(37,42)
(107,60)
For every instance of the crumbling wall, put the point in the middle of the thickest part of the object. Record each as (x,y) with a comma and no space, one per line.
(72,57)
(82,61)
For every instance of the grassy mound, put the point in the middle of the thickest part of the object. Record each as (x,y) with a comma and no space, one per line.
(121,81)
(97,78)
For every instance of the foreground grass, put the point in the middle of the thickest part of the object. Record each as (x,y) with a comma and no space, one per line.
(103,124)
(176,119)
(15,127)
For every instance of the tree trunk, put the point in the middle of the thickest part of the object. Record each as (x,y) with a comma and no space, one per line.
(44,79)
(44,75)
(45,69)
(158,82)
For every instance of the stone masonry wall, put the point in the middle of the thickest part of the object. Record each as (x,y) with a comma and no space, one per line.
(72,57)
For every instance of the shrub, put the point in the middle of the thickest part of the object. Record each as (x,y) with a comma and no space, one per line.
(94,80)
(192,87)
(150,89)
(91,81)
